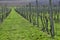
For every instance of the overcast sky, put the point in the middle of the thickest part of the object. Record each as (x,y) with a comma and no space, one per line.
(24,0)
(29,0)
(19,0)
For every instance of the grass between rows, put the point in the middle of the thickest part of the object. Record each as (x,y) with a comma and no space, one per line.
(15,27)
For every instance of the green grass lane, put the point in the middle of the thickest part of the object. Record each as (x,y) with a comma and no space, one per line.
(15,27)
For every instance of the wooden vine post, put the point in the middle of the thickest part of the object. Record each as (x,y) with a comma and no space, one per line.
(37,13)
(51,19)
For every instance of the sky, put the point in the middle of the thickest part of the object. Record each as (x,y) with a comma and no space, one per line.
(22,1)
(16,1)
(19,0)
(27,0)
